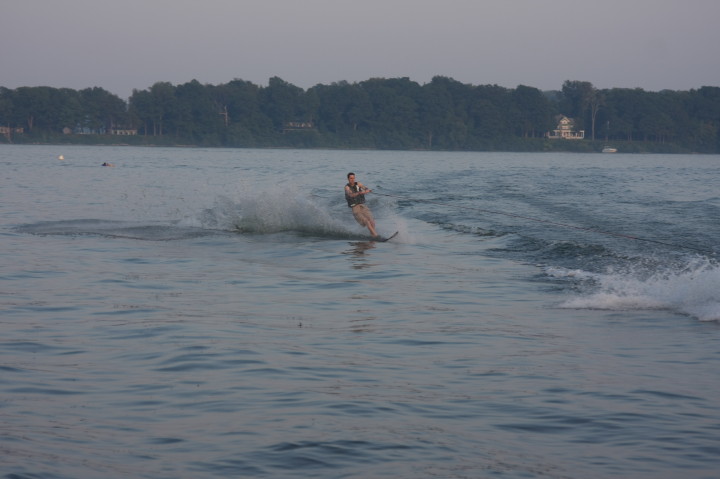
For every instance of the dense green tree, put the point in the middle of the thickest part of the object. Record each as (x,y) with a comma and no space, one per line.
(46,110)
(358,110)
(619,119)
(102,110)
(156,109)
(140,110)
(533,112)
(395,119)
(489,109)
(442,113)
(376,113)
(7,109)
(333,101)
(196,115)
(704,106)
(244,123)
(282,103)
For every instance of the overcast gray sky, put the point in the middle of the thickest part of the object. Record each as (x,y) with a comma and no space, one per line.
(131,44)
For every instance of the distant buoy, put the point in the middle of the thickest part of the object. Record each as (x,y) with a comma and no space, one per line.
(61,157)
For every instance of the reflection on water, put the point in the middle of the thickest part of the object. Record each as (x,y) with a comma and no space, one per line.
(358,254)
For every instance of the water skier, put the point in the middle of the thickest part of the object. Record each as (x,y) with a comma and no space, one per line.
(355,195)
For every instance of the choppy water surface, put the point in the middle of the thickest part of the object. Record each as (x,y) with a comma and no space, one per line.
(218,313)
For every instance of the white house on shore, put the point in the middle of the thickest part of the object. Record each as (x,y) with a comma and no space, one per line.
(566,130)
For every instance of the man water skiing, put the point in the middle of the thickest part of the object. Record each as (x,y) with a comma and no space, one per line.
(355,195)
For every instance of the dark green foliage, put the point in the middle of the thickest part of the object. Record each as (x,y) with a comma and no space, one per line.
(383,113)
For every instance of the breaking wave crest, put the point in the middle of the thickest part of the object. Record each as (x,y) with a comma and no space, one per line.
(268,212)
(693,289)
(264,212)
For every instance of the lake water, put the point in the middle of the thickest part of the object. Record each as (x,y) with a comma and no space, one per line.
(202,313)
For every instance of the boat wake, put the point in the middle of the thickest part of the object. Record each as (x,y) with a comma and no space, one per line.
(146,231)
(611,276)
(693,290)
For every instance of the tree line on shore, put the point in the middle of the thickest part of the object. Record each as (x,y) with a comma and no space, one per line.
(382,113)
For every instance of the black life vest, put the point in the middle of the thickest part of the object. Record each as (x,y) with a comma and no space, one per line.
(359,199)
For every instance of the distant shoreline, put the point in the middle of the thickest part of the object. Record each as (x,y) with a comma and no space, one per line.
(380,113)
(531,146)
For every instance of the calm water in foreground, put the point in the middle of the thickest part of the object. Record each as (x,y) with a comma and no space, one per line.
(197,313)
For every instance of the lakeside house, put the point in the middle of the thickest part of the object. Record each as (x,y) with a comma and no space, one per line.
(298,125)
(124,132)
(565,130)
(83,130)
(9,131)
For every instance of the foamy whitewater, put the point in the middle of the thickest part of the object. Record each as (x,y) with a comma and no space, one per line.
(219,313)
(690,290)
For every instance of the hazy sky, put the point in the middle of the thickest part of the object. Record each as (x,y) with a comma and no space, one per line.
(121,45)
